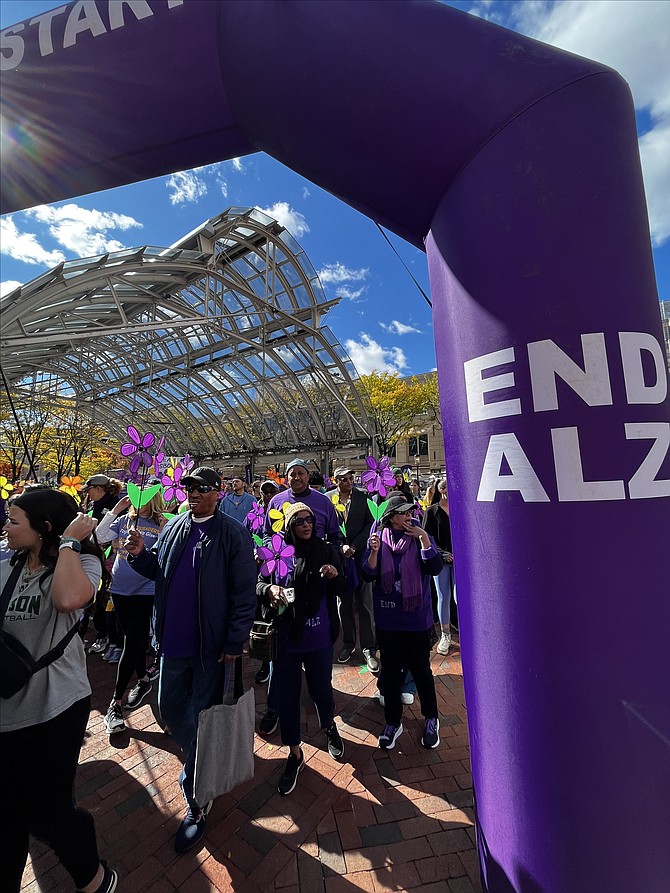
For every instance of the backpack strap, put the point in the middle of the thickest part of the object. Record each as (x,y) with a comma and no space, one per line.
(57,650)
(8,588)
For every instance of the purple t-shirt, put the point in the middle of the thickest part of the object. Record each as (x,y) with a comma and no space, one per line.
(181,630)
(316,633)
(327,525)
(125,580)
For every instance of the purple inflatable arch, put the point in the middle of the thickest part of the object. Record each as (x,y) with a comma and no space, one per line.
(517,166)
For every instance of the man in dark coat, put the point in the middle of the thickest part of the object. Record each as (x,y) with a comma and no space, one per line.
(205,571)
(357,519)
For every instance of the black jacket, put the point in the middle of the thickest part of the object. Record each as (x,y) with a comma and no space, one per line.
(359,522)
(226,582)
(436,524)
(293,619)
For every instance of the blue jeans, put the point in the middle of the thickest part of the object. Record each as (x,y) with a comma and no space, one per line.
(444,584)
(185,688)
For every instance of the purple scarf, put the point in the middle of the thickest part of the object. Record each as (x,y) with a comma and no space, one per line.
(411,584)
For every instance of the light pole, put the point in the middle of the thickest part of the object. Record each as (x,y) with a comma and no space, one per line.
(417,460)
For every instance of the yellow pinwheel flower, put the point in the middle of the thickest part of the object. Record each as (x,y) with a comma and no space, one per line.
(277,519)
(339,507)
(71,485)
(5,487)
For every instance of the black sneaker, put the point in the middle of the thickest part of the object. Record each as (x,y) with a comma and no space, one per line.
(109,880)
(263,674)
(153,672)
(138,694)
(388,737)
(192,828)
(268,723)
(290,777)
(335,742)
(114,721)
(431,734)
(99,646)
(345,654)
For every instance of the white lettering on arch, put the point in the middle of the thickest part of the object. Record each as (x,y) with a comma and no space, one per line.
(637,391)
(83,17)
(570,475)
(643,484)
(476,386)
(506,447)
(139,8)
(592,383)
(11,42)
(43,23)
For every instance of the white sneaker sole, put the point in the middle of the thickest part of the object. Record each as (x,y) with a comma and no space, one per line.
(116,729)
(295,782)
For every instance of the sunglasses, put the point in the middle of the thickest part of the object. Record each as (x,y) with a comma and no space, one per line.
(200,488)
(300,521)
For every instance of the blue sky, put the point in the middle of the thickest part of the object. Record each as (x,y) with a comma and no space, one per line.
(382,320)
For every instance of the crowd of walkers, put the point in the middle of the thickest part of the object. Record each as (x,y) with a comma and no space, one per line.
(186,592)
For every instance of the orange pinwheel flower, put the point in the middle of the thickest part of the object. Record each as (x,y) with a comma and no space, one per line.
(71,485)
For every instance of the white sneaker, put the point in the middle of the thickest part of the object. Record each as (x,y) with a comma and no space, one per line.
(406,697)
(444,644)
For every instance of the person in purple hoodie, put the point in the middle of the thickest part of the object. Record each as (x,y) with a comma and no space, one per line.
(400,560)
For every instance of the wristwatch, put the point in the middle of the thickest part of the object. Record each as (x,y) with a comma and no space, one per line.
(70,542)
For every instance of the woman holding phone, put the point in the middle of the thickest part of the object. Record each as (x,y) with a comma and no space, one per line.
(308,626)
(400,559)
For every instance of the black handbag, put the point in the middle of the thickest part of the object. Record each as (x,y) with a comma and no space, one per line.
(17,664)
(264,640)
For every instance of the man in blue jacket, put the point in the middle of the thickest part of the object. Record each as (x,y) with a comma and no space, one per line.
(205,572)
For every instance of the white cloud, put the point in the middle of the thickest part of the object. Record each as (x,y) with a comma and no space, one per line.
(24,246)
(399,328)
(81,231)
(369,356)
(630,36)
(305,192)
(237,164)
(294,221)
(186,186)
(340,273)
(8,286)
(351,294)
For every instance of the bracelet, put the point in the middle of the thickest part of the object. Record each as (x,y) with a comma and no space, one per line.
(70,542)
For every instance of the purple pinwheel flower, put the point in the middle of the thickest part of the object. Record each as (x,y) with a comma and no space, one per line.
(256,517)
(172,486)
(187,463)
(138,448)
(159,456)
(379,477)
(276,557)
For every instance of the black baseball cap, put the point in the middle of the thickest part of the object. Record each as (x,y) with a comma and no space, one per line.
(203,475)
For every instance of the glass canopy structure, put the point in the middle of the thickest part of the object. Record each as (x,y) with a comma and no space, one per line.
(217,342)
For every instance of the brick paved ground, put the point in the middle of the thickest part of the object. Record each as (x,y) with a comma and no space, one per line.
(378,821)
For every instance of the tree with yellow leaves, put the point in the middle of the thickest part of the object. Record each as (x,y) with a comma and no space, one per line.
(392,404)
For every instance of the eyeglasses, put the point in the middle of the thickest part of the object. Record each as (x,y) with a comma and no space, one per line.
(300,521)
(201,488)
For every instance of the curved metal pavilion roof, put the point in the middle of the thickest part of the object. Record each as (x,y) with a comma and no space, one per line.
(216,342)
